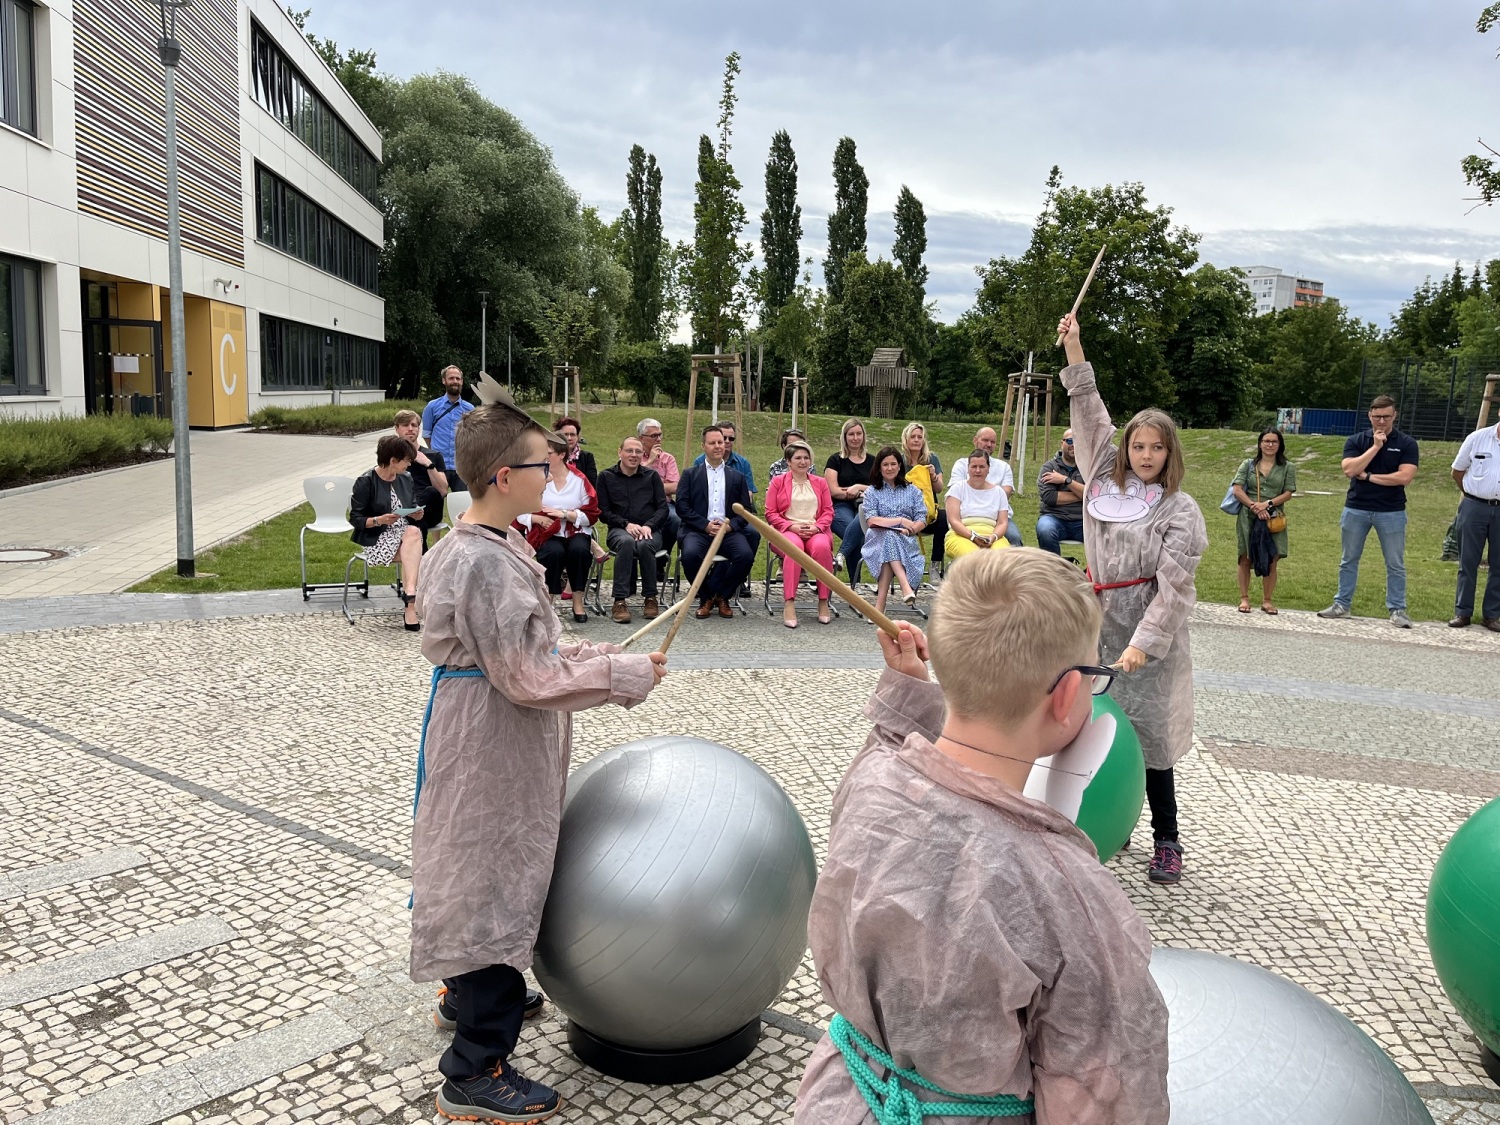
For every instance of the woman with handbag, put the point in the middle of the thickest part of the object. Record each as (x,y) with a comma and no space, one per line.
(1262,486)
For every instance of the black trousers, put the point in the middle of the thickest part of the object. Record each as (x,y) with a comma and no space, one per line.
(938,529)
(631,553)
(1161,796)
(455,482)
(571,554)
(491,1005)
(723,580)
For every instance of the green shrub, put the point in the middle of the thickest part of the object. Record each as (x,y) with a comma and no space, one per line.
(356,418)
(34,449)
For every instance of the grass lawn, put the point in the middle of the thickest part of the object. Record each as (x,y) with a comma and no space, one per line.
(266,557)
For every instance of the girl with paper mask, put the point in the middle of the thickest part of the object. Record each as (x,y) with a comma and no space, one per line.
(977,953)
(1144,537)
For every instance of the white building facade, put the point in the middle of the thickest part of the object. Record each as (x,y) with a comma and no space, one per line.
(281,233)
(1274,290)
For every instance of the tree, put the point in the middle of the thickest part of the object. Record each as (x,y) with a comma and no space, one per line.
(472,202)
(911,240)
(1480,171)
(1207,353)
(1311,356)
(643,248)
(780,228)
(1426,325)
(1137,299)
(354,68)
(846,226)
(955,379)
(715,277)
(879,310)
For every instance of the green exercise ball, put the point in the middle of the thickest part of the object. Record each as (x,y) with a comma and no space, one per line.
(1112,802)
(1463,927)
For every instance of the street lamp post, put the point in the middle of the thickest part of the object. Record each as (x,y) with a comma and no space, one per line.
(171,52)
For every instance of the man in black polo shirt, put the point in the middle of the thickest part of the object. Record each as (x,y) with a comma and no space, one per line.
(1379,462)
(633,505)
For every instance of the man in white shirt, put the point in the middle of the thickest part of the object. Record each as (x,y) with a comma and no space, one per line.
(1476,471)
(1001,475)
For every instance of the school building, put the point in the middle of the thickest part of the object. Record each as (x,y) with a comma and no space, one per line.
(281,232)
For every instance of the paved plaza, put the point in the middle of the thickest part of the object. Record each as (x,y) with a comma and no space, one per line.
(206,808)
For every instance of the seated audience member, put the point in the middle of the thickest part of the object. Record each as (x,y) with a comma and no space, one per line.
(664,465)
(386,534)
(799,505)
(428,473)
(633,505)
(1060,490)
(780,466)
(578,457)
(560,532)
(706,497)
(895,515)
(925,470)
(736,461)
(848,475)
(978,511)
(999,474)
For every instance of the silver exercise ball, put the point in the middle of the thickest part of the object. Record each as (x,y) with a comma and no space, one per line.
(1248,1047)
(679,899)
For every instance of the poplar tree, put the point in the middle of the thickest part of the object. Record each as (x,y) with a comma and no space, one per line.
(780,228)
(715,277)
(846,226)
(641,236)
(911,240)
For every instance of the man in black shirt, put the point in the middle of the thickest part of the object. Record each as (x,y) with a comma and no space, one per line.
(1379,462)
(633,505)
(428,473)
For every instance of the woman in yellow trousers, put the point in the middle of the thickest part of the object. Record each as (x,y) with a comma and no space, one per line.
(978,511)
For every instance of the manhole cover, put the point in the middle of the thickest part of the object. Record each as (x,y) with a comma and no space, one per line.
(29,554)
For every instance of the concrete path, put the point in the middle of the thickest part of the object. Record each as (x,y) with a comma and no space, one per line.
(119,527)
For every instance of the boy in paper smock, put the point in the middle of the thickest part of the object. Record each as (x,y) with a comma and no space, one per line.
(495,748)
(976,951)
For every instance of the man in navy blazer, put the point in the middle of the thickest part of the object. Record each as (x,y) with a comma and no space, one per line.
(706,497)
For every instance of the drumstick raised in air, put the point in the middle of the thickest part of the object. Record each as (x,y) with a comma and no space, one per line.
(1086,282)
(819,571)
(687,602)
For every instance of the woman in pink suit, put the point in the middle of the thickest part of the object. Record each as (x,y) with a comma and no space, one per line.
(799,505)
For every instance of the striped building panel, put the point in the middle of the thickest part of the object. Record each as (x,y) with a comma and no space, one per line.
(122,164)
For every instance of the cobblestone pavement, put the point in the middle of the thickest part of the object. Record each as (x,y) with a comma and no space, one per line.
(205,827)
(119,527)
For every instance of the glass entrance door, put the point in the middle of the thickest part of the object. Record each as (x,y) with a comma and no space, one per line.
(122,360)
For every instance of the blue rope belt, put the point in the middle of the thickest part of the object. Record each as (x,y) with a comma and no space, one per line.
(892,1101)
(439,674)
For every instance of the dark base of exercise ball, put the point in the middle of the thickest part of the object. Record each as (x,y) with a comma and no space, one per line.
(1491,1062)
(664,1068)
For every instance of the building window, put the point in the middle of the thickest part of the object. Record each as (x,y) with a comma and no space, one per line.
(289,221)
(282,92)
(22,371)
(303,357)
(17,69)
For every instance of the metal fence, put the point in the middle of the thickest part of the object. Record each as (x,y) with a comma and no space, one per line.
(1438,398)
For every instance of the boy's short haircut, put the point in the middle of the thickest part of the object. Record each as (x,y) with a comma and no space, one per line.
(489,437)
(405,416)
(1005,625)
(392,448)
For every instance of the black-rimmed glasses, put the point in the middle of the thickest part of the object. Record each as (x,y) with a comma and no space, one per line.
(1101,677)
(523,465)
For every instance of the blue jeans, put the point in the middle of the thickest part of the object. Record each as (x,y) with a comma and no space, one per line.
(1013,532)
(851,535)
(1390,527)
(1052,530)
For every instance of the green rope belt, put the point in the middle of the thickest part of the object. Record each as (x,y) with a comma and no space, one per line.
(893,1103)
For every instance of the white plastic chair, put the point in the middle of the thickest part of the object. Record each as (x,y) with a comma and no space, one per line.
(329,497)
(457,503)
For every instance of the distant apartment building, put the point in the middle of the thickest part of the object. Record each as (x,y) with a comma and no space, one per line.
(1274,290)
(281,228)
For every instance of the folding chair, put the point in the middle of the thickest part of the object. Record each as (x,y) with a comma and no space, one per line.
(915,607)
(1064,544)
(329,497)
(676,579)
(596,582)
(775,568)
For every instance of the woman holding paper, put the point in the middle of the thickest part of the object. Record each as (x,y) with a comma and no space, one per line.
(381,509)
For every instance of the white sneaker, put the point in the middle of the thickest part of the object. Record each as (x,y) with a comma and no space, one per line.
(1399,619)
(1335,610)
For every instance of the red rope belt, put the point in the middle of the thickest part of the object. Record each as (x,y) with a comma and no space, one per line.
(1100,587)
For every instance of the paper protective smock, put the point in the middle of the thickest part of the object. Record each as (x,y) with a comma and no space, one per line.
(497,750)
(1167,542)
(972,934)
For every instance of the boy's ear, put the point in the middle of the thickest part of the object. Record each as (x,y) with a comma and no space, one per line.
(1065,695)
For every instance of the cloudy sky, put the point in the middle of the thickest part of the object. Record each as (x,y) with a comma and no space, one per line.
(1322,136)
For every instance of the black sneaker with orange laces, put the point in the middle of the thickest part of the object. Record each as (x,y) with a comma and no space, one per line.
(504,1094)
(445,1015)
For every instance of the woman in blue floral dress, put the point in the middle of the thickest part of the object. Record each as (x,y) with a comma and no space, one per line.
(896,515)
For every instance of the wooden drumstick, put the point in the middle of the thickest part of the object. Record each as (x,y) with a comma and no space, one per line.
(687,603)
(1086,282)
(819,571)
